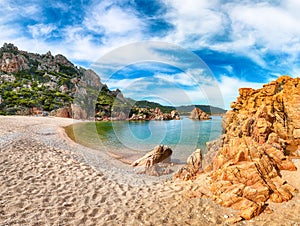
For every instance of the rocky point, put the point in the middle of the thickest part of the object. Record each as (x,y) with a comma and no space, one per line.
(261,136)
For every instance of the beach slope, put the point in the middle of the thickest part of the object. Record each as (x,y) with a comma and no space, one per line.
(46,179)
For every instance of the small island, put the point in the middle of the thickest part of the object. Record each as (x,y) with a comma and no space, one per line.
(198,114)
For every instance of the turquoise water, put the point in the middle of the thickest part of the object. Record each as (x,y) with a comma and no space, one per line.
(183,136)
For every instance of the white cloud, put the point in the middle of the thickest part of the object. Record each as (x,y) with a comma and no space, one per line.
(8,34)
(64,6)
(271,26)
(252,29)
(194,21)
(111,19)
(191,77)
(128,85)
(179,78)
(177,96)
(260,28)
(41,30)
(11,11)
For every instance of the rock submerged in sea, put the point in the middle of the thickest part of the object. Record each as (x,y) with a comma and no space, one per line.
(261,135)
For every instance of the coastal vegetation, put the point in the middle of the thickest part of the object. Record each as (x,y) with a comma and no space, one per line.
(33,83)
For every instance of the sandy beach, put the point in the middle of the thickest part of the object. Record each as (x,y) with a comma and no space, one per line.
(47,179)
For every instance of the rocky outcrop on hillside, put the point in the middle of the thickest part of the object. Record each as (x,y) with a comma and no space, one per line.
(14,60)
(53,84)
(261,136)
(198,114)
(11,63)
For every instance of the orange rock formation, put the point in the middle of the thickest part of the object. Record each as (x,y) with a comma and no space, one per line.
(261,135)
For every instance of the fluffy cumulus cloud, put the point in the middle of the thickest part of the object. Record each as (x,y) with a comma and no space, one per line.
(264,27)
(244,43)
(195,22)
(110,19)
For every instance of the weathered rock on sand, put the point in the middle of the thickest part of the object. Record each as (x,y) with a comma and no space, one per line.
(158,154)
(198,114)
(261,136)
(192,168)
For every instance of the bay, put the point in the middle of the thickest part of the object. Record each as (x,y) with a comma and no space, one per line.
(127,137)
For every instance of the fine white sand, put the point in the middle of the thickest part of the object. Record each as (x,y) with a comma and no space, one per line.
(46,179)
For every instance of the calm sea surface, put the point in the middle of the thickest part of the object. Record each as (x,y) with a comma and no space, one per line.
(123,137)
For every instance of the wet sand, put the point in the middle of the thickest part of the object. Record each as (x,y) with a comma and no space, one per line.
(47,179)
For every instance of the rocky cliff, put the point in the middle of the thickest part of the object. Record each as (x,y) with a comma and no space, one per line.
(261,136)
(13,60)
(52,84)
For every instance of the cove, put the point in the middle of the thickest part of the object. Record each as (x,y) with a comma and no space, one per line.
(128,137)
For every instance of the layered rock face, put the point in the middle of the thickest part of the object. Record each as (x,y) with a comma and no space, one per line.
(13,63)
(198,114)
(262,133)
(14,60)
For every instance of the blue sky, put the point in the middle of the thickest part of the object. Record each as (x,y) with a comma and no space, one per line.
(241,43)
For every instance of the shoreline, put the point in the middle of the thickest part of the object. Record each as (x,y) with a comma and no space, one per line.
(47,178)
(126,147)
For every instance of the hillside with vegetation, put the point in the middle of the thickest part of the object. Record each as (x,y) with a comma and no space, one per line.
(153,105)
(33,83)
(211,110)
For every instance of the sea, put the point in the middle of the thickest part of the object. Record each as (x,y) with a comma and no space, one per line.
(127,137)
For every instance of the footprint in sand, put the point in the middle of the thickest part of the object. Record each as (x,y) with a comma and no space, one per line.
(94,213)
